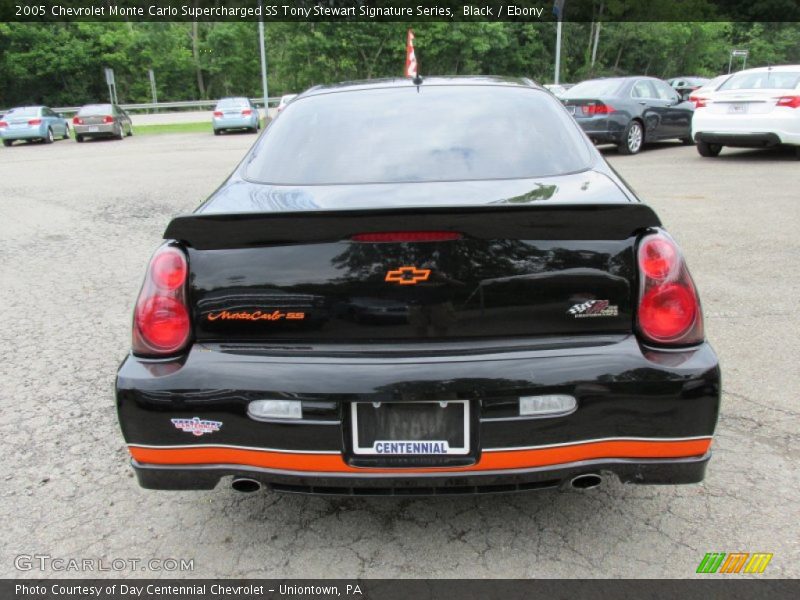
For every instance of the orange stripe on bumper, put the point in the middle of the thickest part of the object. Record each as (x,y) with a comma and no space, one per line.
(490,461)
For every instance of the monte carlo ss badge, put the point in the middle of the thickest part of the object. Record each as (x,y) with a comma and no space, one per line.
(196,425)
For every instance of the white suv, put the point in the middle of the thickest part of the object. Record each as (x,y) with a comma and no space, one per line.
(755,108)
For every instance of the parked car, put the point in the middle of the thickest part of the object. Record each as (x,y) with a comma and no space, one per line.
(285,99)
(755,108)
(629,111)
(235,113)
(708,90)
(551,340)
(101,120)
(686,85)
(32,123)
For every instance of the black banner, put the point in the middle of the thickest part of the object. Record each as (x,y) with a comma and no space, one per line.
(344,11)
(729,588)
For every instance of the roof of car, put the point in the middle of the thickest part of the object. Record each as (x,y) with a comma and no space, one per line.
(774,68)
(401,82)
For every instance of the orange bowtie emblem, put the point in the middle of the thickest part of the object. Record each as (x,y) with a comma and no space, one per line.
(407,275)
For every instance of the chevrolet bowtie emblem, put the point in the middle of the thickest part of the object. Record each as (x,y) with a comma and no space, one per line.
(407,275)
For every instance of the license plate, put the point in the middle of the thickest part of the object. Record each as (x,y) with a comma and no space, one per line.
(411,428)
(91,129)
(18,125)
(737,109)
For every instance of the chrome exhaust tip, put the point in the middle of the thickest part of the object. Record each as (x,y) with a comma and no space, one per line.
(245,485)
(586,481)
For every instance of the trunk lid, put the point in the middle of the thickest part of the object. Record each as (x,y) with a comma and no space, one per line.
(546,269)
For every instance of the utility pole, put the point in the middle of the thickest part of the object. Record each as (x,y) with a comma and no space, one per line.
(263,66)
(153,85)
(558,11)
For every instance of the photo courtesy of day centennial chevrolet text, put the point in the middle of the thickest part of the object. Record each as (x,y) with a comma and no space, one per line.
(419,287)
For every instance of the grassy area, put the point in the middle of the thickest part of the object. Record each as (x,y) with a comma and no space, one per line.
(172,128)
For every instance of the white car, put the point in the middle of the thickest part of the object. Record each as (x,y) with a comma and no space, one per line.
(755,108)
(285,99)
(705,92)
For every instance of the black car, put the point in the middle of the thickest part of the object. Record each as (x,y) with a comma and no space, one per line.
(686,85)
(552,334)
(630,111)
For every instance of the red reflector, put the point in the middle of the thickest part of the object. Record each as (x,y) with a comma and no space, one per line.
(163,322)
(34,122)
(169,269)
(657,258)
(789,101)
(407,236)
(598,109)
(77,121)
(108,119)
(217,113)
(667,312)
(699,101)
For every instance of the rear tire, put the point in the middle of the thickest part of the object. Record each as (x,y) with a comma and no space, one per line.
(217,132)
(66,133)
(48,139)
(708,150)
(7,143)
(687,141)
(797,152)
(79,138)
(130,131)
(632,139)
(121,134)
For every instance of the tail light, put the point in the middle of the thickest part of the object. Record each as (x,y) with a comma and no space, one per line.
(699,101)
(406,236)
(789,101)
(108,119)
(77,121)
(35,122)
(598,109)
(3,124)
(247,112)
(217,113)
(669,309)
(161,318)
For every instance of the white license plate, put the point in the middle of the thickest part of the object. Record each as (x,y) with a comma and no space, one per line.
(93,129)
(18,125)
(414,428)
(737,109)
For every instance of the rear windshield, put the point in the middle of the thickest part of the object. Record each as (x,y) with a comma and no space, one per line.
(766,80)
(410,134)
(27,111)
(95,109)
(232,103)
(594,88)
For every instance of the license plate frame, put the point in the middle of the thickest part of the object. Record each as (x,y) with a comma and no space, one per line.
(93,129)
(398,445)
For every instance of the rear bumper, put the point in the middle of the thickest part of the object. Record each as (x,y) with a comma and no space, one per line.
(741,140)
(234,123)
(671,472)
(95,130)
(645,415)
(25,133)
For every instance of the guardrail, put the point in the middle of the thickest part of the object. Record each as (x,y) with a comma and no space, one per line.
(162,106)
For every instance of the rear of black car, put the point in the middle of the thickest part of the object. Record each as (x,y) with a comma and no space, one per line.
(419,289)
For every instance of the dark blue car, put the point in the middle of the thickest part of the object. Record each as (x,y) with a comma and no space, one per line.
(630,111)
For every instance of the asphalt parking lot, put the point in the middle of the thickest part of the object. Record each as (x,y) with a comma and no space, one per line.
(78,223)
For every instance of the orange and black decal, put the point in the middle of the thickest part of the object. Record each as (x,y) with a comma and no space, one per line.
(491,460)
(407,275)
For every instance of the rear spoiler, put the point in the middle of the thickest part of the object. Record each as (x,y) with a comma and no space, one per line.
(539,222)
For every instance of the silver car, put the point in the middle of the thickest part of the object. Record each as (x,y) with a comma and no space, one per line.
(32,123)
(101,120)
(235,113)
